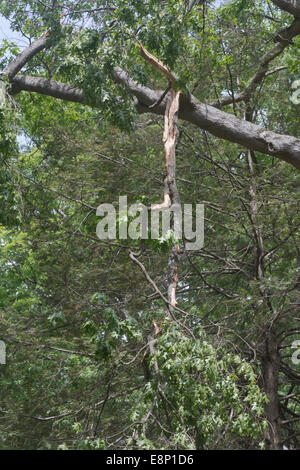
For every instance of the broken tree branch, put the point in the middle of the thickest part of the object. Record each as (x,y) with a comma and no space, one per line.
(217,122)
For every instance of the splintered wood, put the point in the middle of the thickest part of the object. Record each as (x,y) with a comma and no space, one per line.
(169,138)
(156,63)
(171,195)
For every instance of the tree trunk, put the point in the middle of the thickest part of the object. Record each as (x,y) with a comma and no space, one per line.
(270,373)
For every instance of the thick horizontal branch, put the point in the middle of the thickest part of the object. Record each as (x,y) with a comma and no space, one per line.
(291,6)
(215,121)
(219,123)
(47,87)
(247,134)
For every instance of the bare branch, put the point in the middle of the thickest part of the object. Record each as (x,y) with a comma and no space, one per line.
(215,121)
(284,39)
(16,65)
(277,69)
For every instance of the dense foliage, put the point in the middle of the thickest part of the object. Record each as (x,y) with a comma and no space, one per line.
(94,359)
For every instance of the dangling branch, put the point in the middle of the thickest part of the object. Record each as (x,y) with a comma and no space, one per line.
(171,194)
(170,139)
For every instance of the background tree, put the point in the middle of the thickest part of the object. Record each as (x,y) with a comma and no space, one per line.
(79,317)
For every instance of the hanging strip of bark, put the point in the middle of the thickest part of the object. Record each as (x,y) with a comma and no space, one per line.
(170,139)
(171,194)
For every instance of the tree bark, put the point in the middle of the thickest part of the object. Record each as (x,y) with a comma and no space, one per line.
(270,374)
(217,122)
(291,6)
